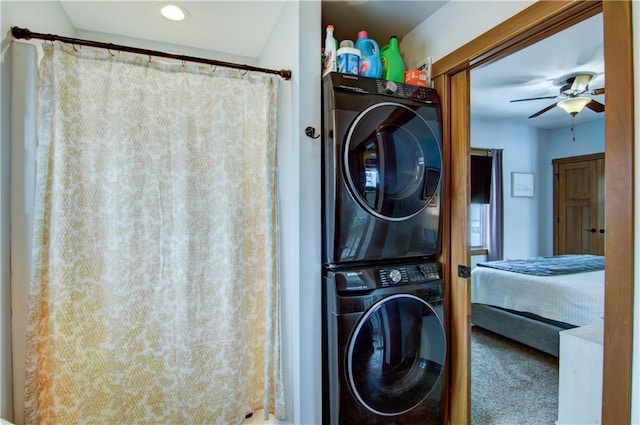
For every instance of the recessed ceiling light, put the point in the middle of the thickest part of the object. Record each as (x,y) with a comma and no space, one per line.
(173,12)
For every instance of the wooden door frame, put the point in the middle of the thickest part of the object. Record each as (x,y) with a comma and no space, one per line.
(540,20)
(458,189)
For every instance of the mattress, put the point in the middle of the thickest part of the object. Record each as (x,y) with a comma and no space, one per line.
(576,299)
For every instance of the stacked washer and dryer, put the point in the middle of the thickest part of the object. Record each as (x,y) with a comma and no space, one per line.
(384,344)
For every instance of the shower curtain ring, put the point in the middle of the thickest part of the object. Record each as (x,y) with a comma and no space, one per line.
(245,72)
(213,69)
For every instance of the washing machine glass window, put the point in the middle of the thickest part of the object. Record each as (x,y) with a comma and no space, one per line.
(392,161)
(396,354)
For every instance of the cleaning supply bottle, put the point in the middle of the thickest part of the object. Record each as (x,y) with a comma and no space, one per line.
(370,65)
(348,58)
(330,52)
(392,63)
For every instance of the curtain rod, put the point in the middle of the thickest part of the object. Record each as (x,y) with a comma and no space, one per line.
(24,33)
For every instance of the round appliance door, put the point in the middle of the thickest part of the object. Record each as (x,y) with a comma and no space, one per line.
(396,354)
(392,161)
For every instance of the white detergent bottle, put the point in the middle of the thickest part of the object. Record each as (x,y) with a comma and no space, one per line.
(330,52)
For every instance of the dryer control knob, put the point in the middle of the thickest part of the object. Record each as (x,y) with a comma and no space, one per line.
(395,275)
(390,87)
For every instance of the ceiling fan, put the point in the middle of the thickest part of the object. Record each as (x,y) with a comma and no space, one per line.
(573,92)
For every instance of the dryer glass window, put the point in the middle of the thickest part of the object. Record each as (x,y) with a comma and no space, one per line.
(393,160)
(396,355)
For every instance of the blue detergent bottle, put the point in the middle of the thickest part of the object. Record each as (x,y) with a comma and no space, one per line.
(370,64)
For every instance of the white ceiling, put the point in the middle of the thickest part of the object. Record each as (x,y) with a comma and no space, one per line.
(237,27)
(241,27)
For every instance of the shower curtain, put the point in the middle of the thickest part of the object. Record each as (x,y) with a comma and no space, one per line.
(154,292)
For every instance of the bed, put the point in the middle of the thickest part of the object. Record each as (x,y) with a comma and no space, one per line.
(531,300)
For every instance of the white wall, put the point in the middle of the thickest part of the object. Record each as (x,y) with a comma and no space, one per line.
(299,180)
(525,148)
(309,341)
(285,33)
(165,47)
(288,151)
(558,143)
(453,25)
(520,154)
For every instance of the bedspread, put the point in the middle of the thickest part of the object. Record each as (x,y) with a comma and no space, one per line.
(576,299)
(550,266)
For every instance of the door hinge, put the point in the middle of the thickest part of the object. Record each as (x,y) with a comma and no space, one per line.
(464,271)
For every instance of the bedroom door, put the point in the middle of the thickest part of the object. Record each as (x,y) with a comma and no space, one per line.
(578,205)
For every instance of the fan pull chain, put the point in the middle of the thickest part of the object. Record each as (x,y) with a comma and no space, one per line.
(573,134)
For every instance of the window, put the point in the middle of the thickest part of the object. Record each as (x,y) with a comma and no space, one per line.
(479,213)
(479,226)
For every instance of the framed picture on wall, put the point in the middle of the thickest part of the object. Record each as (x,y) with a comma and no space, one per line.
(522,185)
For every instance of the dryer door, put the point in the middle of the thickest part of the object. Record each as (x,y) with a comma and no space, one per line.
(392,160)
(396,354)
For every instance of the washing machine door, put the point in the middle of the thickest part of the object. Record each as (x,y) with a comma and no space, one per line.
(396,354)
(392,160)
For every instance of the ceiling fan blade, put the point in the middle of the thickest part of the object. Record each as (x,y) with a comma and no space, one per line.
(595,106)
(597,91)
(533,98)
(544,110)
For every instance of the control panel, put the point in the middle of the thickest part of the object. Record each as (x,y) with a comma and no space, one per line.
(394,276)
(409,274)
(366,85)
(384,277)
(406,91)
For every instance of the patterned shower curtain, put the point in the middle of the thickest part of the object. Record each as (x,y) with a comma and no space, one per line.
(154,297)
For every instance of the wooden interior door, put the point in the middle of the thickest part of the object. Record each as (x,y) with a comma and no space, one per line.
(578,204)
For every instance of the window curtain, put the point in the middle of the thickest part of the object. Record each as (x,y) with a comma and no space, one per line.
(154,293)
(495,243)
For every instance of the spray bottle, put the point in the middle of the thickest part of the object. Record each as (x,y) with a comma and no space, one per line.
(330,52)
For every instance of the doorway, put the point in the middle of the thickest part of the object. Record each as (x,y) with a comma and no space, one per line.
(452,80)
(529,84)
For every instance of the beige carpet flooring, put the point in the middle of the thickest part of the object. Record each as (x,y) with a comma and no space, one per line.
(511,384)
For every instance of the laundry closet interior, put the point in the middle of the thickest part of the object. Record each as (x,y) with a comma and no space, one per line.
(384,320)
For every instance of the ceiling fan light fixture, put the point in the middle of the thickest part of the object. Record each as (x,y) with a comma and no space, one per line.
(574,105)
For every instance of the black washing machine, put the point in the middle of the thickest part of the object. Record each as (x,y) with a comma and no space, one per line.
(384,345)
(382,169)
